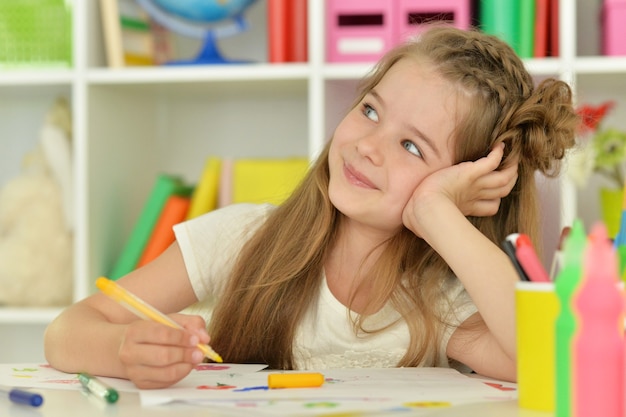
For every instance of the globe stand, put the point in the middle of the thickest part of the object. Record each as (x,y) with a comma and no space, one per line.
(209,54)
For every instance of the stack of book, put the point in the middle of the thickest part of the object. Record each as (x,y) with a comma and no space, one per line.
(529,26)
(222,182)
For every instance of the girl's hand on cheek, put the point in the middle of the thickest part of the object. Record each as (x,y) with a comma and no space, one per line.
(475,188)
(483,186)
(157,356)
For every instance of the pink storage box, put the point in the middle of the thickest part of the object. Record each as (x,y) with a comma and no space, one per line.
(363,30)
(413,12)
(614,27)
(359,30)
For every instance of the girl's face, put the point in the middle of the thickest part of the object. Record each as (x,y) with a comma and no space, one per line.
(396,136)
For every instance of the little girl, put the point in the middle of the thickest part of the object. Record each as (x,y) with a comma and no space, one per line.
(387,254)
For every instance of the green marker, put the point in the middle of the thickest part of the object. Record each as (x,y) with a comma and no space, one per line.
(98,388)
(566,283)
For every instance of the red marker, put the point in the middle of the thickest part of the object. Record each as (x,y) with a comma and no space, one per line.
(527,257)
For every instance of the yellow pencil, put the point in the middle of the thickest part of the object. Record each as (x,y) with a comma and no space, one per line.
(145,310)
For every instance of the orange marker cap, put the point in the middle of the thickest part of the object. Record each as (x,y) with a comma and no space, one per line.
(295,380)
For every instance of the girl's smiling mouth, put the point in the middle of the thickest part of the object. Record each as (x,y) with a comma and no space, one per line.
(356,178)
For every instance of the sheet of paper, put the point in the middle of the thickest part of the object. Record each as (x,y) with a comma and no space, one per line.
(233,389)
(33,375)
(345,391)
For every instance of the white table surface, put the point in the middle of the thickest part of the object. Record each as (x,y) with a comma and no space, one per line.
(71,403)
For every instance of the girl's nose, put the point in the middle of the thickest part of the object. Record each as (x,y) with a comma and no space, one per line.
(370,147)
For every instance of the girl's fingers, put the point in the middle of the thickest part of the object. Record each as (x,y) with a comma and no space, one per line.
(146,377)
(485,208)
(194,324)
(159,355)
(145,331)
(153,344)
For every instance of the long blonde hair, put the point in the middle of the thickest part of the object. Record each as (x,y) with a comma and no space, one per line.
(278,273)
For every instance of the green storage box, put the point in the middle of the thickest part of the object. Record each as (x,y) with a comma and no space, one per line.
(35,33)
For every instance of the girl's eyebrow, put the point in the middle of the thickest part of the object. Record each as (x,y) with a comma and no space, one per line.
(413,129)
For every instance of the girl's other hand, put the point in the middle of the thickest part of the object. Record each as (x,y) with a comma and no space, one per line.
(157,356)
(475,188)
(482,186)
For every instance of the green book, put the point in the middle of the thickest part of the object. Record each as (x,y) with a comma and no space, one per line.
(164,186)
(500,18)
(526,30)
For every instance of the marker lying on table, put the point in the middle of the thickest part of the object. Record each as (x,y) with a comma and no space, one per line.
(19,396)
(288,380)
(145,311)
(98,388)
(295,380)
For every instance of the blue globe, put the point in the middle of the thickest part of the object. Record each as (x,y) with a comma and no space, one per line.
(193,18)
(203,11)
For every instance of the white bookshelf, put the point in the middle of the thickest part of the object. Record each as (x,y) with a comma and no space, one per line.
(131,123)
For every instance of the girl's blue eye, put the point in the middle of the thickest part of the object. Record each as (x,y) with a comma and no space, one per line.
(370,113)
(411,147)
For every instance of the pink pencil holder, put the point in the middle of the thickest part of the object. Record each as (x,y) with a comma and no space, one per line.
(614,27)
(359,31)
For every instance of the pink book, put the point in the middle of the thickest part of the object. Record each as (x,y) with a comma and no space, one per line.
(298,28)
(225,196)
(278,30)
